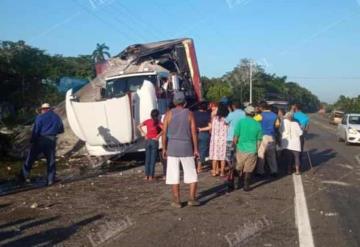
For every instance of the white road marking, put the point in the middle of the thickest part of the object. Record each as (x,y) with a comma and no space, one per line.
(346,166)
(331,214)
(302,215)
(357,157)
(335,182)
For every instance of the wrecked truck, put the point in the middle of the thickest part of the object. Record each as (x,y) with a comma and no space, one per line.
(141,78)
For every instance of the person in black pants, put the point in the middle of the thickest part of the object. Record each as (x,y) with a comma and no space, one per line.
(203,127)
(43,140)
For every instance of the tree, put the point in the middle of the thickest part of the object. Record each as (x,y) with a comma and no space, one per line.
(347,104)
(217,91)
(28,76)
(100,52)
(236,85)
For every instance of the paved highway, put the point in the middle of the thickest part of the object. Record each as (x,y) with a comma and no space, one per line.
(319,208)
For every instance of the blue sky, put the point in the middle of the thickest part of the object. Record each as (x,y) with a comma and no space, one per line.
(313,42)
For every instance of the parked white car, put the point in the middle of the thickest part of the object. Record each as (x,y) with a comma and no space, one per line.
(349,129)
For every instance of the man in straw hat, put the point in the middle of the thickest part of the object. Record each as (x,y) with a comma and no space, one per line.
(43,140)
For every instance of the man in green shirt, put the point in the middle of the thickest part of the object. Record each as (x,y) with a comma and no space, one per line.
(247,138)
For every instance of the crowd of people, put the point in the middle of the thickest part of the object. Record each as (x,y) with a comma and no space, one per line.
(238,141)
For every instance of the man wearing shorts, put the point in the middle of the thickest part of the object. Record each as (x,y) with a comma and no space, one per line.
(247,137)
(180,145)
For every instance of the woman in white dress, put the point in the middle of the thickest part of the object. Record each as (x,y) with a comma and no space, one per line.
(290,142)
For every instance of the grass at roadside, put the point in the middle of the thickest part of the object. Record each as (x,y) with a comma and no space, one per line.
(10,168)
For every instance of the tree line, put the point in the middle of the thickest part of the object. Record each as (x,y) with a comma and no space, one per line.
(346,104)
(28,76)
(235,85)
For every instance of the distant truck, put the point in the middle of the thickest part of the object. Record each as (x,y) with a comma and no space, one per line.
(336,117)
(141,78)
(277,102)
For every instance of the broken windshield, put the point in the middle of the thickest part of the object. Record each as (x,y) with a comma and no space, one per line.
(121,86)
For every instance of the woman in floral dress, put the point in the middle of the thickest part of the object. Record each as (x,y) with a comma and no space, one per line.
(218,141)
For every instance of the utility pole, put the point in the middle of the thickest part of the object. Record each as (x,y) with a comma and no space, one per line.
(251,84)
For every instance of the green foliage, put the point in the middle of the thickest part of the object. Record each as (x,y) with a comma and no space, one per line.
(28,76)
(216,91)
(100,53)
(347,104)
(264,84)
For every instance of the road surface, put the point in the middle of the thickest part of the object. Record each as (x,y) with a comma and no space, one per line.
(118,208)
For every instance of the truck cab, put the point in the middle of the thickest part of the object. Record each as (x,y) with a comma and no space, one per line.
(141,78)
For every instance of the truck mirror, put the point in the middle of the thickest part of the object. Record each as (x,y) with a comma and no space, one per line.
(175,82)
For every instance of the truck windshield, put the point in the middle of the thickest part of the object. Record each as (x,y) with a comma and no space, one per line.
(121,86)
(354,120)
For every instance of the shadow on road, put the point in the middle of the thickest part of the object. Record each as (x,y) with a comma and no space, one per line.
(5,205)
(310,136)
(319,158)
(49,237)
(18,227)
(212,193)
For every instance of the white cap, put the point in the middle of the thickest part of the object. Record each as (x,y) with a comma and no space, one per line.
(45,106)
(250,109)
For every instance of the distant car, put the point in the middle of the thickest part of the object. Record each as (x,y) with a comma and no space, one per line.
(336,117)
(349,129)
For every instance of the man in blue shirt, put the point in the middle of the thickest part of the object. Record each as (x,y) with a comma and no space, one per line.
(267,148)
(304,122)
(43,140)
(232,120)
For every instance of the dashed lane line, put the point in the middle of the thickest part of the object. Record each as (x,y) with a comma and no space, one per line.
(302,214)
(357,157)
(346,166)
(334,182)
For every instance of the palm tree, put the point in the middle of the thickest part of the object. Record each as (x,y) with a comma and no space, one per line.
(100,53)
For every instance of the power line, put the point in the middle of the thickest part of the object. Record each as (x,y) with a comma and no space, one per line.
(325,77)
(104,21)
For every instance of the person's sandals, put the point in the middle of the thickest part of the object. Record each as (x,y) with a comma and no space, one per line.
(193,203)
(176,205)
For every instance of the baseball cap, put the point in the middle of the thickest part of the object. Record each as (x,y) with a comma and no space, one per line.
(289,115)
(250,109)
(179,97)
(225,100)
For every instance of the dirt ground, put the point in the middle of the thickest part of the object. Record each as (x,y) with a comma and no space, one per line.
(114,206)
